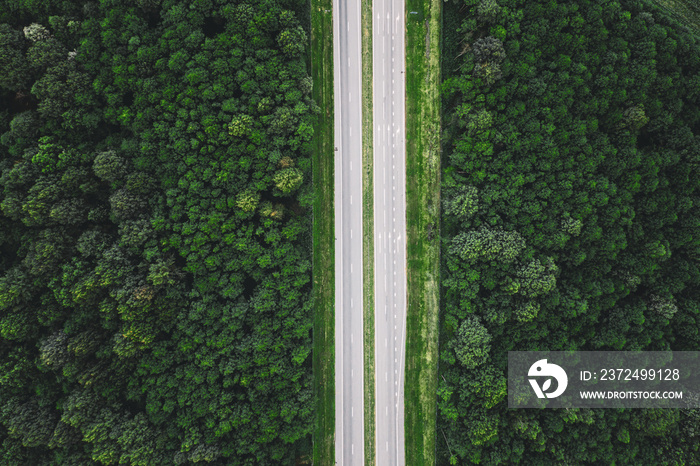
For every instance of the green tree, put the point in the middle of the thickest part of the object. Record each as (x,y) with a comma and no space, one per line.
(464,204)
(472,343)
(288,180)
(109,166)
(15,73)
(292,41)
(248,200)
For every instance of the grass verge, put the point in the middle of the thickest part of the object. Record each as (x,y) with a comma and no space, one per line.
(323,234)
(422,225)
(368,230)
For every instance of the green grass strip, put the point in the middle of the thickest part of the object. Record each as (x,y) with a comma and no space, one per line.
(323,233)
(368,230)
(422,225)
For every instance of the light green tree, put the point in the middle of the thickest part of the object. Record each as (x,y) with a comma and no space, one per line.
(487,10)
(537,279)
(488,244)
(292,41)
(527,311)
(472,344)
(248,200)
(463,204)
(288,180)
(240,125)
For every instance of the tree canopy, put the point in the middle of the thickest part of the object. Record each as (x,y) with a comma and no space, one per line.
(570,219)
(155,234)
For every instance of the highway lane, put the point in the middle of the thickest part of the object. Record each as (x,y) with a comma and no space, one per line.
(388,33)
(349,354)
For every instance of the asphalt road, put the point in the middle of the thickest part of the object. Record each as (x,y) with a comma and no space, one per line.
(389,227)
(349,354)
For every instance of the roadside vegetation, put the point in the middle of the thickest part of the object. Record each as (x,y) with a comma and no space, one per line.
(423,43)
(323,233)
(569,219)
(368,231)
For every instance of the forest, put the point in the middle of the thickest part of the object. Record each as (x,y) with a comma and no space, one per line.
(571,219)
(155,227)
(155,232)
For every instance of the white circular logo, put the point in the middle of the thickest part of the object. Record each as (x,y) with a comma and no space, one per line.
(543,369)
